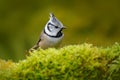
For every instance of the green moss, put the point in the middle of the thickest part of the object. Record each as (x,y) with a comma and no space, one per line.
(6,69)
(73,62)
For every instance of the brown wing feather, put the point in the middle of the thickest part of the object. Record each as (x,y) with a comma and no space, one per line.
(36,46)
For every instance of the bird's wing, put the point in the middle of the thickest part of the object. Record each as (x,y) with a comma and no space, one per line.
(40,39)
(37,44)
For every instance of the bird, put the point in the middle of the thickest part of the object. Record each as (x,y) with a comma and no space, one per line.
(51,35)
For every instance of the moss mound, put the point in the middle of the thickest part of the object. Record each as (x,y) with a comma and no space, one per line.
(74,62)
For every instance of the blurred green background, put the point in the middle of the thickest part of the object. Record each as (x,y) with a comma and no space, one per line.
(92,21)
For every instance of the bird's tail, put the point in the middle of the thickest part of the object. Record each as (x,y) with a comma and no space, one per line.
(35,47)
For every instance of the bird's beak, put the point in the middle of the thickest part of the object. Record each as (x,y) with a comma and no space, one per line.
(64,28)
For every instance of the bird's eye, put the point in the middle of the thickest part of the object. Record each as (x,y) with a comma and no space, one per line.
(56,27)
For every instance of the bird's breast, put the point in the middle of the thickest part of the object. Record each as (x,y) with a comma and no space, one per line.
(50,41)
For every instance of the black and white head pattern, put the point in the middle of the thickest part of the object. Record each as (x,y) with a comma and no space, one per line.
(53,27)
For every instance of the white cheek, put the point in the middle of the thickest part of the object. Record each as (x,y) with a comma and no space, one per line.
(51,28)
(52,32)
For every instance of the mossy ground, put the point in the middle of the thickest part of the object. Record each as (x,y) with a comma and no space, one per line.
(73,62)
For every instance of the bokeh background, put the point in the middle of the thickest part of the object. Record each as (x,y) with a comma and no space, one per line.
(92,21)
